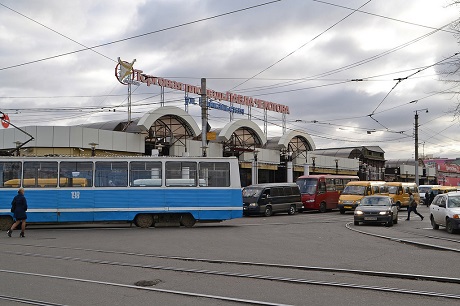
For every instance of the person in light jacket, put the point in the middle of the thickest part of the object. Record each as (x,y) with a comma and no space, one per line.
(19,208)
(412,207)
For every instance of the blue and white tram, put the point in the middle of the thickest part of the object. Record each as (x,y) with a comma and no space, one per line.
(143,190)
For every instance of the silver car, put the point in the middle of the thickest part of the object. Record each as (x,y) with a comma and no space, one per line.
(376,209)
(445,211)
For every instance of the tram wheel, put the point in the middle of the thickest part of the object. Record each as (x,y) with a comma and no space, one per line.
(5,223)
(187,220)
(144,220)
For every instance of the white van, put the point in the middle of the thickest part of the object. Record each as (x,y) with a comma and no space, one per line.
(422,189)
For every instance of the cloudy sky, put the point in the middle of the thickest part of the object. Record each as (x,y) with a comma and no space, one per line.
(353,72)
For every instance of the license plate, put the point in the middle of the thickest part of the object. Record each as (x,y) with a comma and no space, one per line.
(370,218)
(347,207)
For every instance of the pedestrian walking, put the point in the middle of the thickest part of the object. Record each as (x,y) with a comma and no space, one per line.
(412,207)
(19,208)
(427,199)
(431,196)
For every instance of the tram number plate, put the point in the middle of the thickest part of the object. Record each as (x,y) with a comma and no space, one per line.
(370,218)
(347,207)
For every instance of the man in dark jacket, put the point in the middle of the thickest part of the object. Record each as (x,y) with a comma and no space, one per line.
(19,208)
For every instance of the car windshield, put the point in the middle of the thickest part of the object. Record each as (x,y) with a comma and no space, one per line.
(392,189)
(375,202)
(424,189)
(357,190)
(250,192)
(453,202)
(307,185)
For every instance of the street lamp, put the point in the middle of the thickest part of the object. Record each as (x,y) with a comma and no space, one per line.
(255,169)
(17,143)
(93,148)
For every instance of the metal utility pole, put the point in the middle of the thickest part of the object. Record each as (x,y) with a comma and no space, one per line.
(204,116)
(416,144)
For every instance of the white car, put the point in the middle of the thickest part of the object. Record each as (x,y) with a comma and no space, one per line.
(445,211)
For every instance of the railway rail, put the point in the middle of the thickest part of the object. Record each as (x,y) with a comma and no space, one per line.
(244,275)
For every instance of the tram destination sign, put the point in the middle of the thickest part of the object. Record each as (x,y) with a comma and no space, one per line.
(139,76)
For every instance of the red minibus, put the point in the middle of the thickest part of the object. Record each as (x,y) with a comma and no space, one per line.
(321,192)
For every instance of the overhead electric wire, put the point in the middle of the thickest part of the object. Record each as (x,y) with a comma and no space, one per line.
(399,80)
(355,64)
(41,24)
(142,35)
(385,17)
(291,53)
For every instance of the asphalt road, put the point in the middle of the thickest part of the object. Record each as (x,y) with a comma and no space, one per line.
(102,264)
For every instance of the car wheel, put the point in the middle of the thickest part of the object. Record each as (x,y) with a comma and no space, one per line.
(292,210)
(395,220)
(268,211)
(356,223)
(342,211)
(389,222)
(450,227)
(433,224)
(322,207)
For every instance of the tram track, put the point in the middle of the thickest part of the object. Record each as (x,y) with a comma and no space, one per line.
(175,292)
(441,279)
(408,241)
(261,277)
(26,301)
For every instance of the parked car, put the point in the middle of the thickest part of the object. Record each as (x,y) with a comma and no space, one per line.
(270,198)
(445,211)
(376,209)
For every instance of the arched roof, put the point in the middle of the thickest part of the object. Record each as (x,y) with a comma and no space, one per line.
(226,132)
(146,121)
(286,139)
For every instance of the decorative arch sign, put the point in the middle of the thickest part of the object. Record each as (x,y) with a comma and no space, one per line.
(124,69)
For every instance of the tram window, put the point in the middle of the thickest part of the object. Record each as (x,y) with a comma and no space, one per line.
(180,174)
(143,174)
(40,174)
(10,174)
(111,174)
(76,174)
(214,174)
